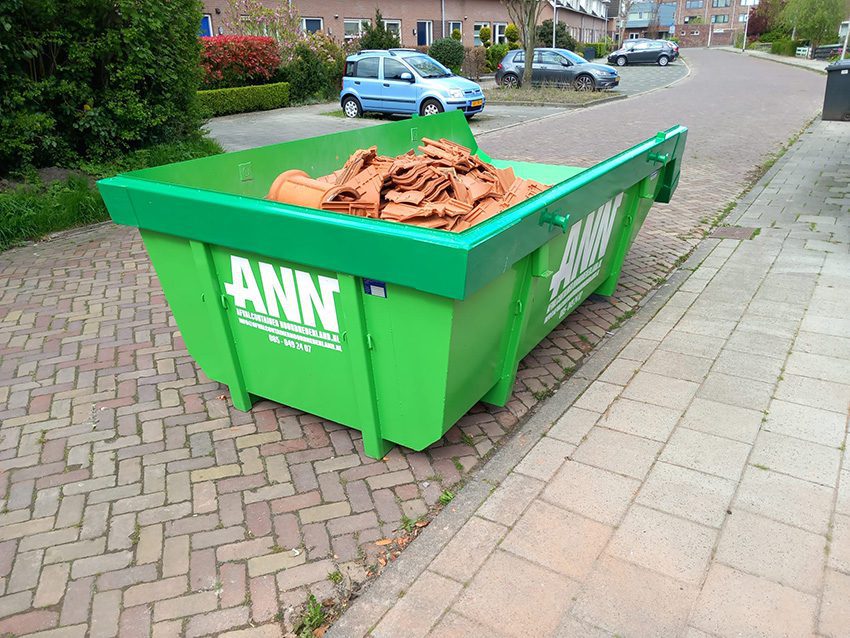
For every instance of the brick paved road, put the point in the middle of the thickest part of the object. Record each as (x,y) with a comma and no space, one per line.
(133,498)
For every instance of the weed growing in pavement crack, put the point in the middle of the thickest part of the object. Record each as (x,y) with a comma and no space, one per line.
(335,577)
(761,467)
(467,439)
(446,497)
(314,617)
(136,535)
(543,393)
(458,465)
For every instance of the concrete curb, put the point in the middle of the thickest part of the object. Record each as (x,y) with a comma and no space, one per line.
(612,98)
(382,594)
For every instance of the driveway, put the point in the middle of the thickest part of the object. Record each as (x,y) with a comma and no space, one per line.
(135,500)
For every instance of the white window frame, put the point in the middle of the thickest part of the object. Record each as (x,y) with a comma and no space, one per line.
(742,17)
(476,28)
(346,36)
(634,35)
(451,25)
(749,3)
(304,25)
(208,18)
(499,38)
(397,23)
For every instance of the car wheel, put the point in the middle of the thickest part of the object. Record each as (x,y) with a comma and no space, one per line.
(469,116)
(431,107)
(621,60)
(584,83)
(510,81)
(663,60)
(351,107)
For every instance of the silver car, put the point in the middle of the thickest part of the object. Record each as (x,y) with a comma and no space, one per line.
(556,66)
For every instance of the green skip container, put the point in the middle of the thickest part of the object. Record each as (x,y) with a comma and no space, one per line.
(391,329)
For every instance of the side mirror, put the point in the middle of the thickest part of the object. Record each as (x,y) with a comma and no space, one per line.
(565,63)
(407,77)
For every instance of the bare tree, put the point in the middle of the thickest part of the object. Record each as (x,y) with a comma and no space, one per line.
(653,25)
(625,10)
(524,14)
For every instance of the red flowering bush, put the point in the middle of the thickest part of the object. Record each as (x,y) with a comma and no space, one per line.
(238,60)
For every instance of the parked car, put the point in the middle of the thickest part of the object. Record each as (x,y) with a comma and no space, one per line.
(658,52)
(556,66)
(405,81)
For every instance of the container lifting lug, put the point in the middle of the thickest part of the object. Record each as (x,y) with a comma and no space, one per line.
(554,219)
(369,342)
(518,307)
(223,299)
(660,158)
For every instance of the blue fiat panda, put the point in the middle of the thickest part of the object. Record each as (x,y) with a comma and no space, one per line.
(405,81)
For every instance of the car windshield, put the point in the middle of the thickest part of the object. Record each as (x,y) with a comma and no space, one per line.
(428,67)
(572,57)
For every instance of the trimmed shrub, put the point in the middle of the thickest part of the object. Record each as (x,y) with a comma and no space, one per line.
(456,35)
(563,40)
(310,77)
(448,52)
(495,54)
(238,60)
(512,35)
(474,62)
(95,78)
(783,46)
(484,35)
(243,99)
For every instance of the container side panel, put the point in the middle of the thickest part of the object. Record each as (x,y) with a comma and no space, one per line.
(481,341)
(184,290)
(544,173)
(410,333)
(577,262)
(289,333)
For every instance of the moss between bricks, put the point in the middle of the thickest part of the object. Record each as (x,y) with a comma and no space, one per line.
(244,99)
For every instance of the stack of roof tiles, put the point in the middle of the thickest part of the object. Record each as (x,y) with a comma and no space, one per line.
(445,186)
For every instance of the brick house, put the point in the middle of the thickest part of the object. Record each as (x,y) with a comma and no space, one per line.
(711,22)
(419,23)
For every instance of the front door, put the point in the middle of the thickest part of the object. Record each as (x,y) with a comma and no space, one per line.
(423,33)
(397,95)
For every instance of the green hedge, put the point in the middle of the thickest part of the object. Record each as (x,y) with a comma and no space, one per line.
(244,99)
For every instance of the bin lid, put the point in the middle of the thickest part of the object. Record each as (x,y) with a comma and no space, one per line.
(841,65)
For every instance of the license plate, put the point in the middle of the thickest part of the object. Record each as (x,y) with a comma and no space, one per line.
(477,103)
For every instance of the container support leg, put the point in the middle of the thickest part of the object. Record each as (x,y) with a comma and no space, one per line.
(211,294)
(359,343)
(501,392)
(607,287)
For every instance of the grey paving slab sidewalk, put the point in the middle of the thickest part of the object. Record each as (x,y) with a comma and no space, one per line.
(812,65)
(700,484)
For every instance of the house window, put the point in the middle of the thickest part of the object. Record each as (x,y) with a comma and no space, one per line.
(634,35)
(476,30)
(394,27)
(749,3)
(354,28)
(720,18)
(720,4)
(694,4)
(454,24)
(205,30)
(311,25)
(742,17)
(499,32)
